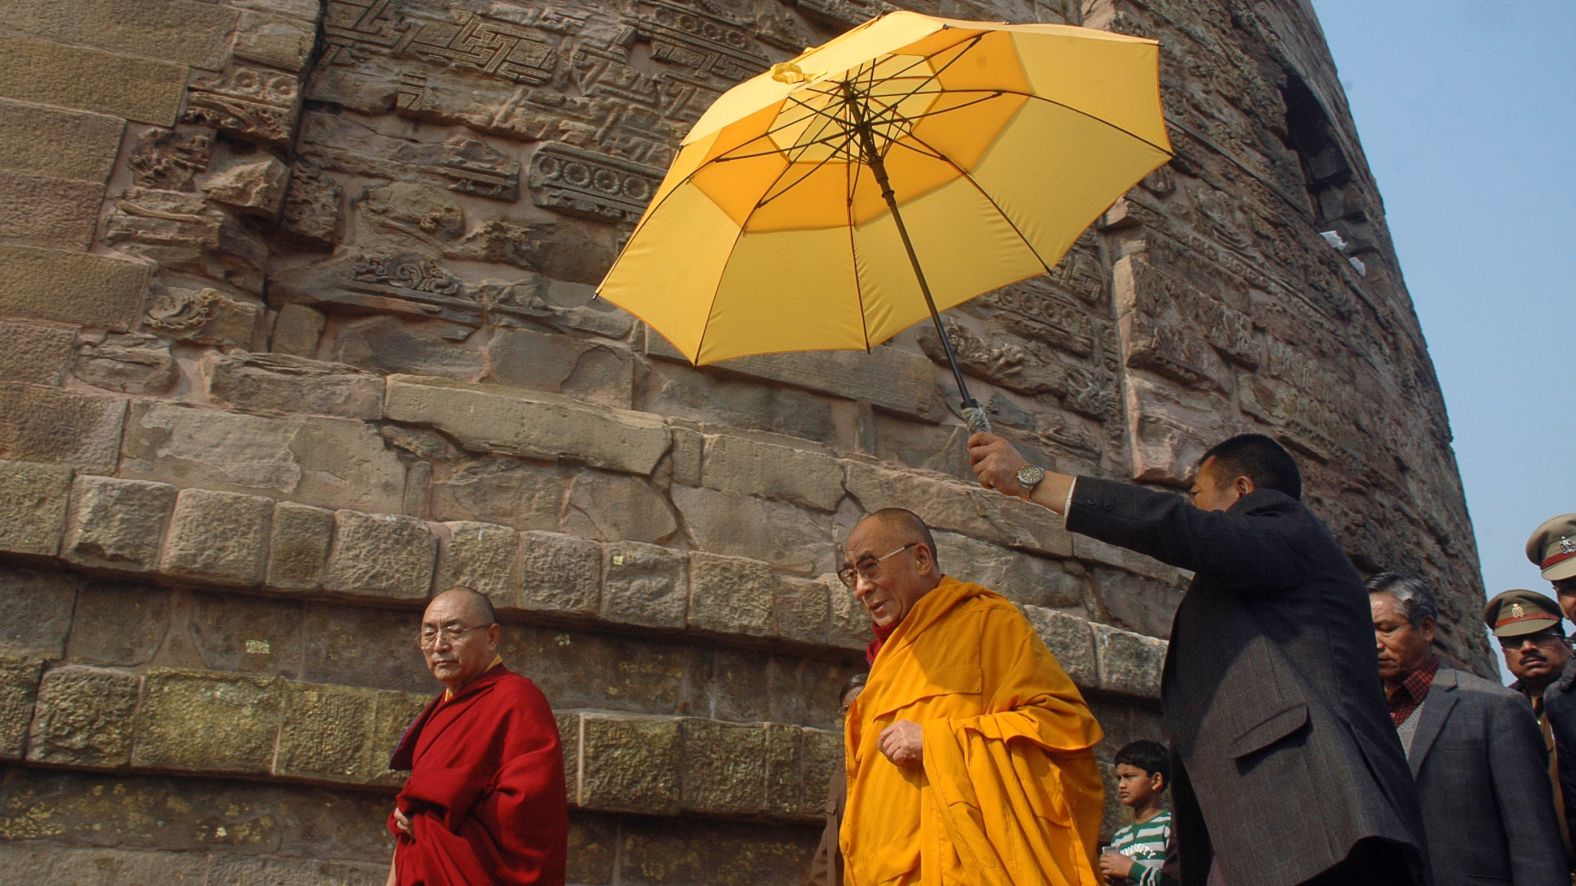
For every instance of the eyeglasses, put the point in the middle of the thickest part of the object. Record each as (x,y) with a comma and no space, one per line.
(429,638)
(1539,639)
(870,567)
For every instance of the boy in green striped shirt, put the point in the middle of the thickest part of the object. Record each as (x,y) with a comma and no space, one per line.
(1137,850)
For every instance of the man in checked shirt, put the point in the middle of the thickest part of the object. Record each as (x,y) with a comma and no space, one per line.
(1474,749)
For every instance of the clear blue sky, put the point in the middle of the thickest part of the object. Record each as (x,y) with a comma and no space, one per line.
(1467,115)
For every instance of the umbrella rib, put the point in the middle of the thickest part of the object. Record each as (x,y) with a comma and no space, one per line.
(853,249)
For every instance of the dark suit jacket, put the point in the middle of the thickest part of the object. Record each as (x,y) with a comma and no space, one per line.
(1559,709)
(1488,808)
(1287,755)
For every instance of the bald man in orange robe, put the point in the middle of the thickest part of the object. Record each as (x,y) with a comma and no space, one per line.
(970,754)
(485,801)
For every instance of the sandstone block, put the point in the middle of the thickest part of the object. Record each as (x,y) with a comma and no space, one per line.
(568,725)
(73,77)
(118,624)
(207,722)
(643,585)
(218,538)
(297,330)
(183,31)
(971,511)
(392,714)
(33,501)
(71,287)
(779,533)
(281,42)
(682,851)
(54,142)
(522,494)
(281,383)
(48,211)
(129,362)
(298,541)
(245,633)
(253,184)
(38,605)
(686,456)
(731,595)
(530,424)
(822,751)
(49,862)
(850,623)
(560,573)
(328,462)
(630,764)
(244,870)
(724,764)
(617,507)
(18,689)
(116,524)
(1017,575)
(380,555)
(36,353)
(738,464)
(578,367)
(783,768)
(1129,663)
(1070,639)
(206,316)
(715,397)
(392,345)
(802,609)
(84,717)
(480,556)
(325,731)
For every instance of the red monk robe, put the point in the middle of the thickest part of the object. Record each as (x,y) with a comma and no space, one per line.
(485,797)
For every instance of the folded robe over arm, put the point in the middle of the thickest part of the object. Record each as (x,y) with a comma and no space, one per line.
(1009,792)
(485,797)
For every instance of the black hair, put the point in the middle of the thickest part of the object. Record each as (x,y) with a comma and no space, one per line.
(1150,756)
(1258,458)
(1415,596)
(856,681)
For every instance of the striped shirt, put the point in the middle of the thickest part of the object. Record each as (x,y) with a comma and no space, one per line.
(1145,843)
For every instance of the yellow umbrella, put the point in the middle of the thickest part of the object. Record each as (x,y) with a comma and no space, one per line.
(778,228)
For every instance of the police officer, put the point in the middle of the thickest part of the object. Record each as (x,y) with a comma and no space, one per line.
(1552,548)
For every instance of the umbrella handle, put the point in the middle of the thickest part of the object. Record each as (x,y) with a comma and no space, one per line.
(974,417)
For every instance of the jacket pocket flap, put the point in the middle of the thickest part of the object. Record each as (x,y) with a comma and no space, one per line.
(1272,729)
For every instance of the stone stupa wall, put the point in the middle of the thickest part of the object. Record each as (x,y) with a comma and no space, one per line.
(296,326)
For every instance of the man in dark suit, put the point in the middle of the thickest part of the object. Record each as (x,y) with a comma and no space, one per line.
(1474,749)
(1287,769)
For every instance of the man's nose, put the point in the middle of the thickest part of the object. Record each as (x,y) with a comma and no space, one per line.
(862,584)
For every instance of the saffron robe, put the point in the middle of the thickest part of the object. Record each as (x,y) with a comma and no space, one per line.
(1008,791)
(485,797)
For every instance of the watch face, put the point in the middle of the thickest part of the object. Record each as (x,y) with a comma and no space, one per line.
(1030,475)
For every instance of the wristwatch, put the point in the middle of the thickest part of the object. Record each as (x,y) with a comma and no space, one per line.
(1029,476)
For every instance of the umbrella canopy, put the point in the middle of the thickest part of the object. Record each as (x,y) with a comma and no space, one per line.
(775,228)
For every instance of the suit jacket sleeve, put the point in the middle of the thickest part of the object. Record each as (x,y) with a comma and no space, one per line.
(1258,544)
(1521,783)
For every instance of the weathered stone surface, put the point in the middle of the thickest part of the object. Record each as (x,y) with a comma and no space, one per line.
(784,771)
(274,40)
(738,464)
(644,585)
(380,555)
(731,594)
(297,330)
(32,507)
(181,31)
(364,646)
(35,353)
(298,541)
(724,765)
(131,363)
(18,689)
(118,625)
(630,764)
(617,507)
(169,159)
(967,510)
(1138,603)
(522,494)
(325,730)
(779,533)
(206,722)
(593,848)
(392,714)
(218,538)
(39,606)
(329,462)
(802,610)
(48,211)
(534,425)
(560,573)
(414,208)
(245,102)
(83,717)
(116,524)
(392,345)
(253,184)
(241,870)
(54,142)
(241,634)
(675,851)
(71,287)
(481,556)
(142,90)
(279,383)
(1017,575)
(205,316)
(49,862)
(1129,663)
(717,397)
(850,623)
(577,367)
(1069,639)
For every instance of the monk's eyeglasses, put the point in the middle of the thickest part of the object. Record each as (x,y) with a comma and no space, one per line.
(870,567)
(429,638)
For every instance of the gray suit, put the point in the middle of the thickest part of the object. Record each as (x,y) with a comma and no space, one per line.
(1488,808)
(1286,762)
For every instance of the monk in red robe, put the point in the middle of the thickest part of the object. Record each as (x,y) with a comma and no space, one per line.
(485,800)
